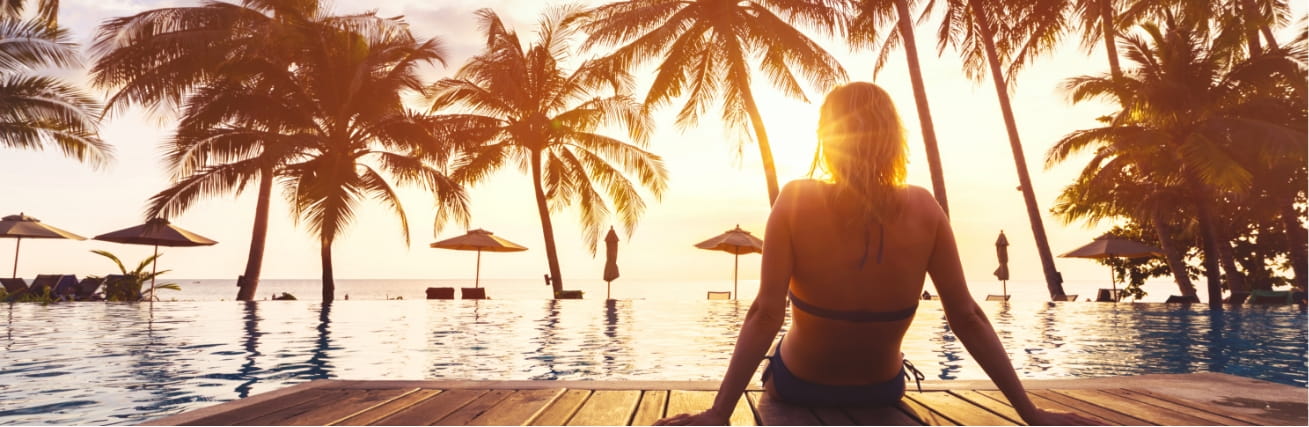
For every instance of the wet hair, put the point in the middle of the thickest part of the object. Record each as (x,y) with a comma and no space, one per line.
(862,150)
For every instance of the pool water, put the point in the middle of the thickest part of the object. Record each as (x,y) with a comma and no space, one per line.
(120,363)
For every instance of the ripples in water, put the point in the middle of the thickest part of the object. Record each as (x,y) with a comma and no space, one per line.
(98,363)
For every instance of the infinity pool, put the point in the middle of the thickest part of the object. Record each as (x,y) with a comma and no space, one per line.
(99,363)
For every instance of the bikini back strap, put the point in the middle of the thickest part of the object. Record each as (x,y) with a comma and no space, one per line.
(852,315)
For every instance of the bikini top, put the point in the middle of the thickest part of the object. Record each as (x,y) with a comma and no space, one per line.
(858,315)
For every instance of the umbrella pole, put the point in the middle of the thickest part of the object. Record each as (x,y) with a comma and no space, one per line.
(17,243)
(154,268)
(736,269)
(477,277)
(1113,283)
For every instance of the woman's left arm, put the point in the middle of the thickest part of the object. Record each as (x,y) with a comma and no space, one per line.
(762,322)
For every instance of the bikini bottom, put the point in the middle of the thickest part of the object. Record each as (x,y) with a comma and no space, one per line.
(794,390)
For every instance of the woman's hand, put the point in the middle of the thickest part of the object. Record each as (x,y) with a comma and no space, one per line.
(1051,418)
(706,418)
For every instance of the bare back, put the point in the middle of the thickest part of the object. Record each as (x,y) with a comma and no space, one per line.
(837,267)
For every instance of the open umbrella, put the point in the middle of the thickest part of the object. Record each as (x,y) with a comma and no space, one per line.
(479,240)
(737,242)
(22,226)
(1002,255)
(156,232)
(1110,246)
(611,259)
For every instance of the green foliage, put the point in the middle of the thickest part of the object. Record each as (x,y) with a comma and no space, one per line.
(130,285)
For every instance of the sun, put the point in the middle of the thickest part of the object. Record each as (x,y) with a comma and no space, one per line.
(792,128)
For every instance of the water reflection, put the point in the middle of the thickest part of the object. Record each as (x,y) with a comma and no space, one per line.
(250,343)
(319,361)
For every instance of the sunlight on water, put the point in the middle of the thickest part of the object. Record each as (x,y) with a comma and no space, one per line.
(98,363)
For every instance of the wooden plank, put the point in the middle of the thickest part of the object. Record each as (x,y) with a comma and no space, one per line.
(474,409)
(651,408)
(1088,409)
(517,409)
(1152,414)
(922,414)
(774,412)
(348,403)
(833,416)
(607,408)
(958,410)
(1000,407)
(238,405)
(385,409)
(691,402)
(561,409)
(1195,409)
(239,417)
(431,410)
(1044,403)
(883,416)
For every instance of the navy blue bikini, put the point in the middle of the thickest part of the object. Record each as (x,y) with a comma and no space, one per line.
(798,391)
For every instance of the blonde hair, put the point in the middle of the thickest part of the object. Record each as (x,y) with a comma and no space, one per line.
(862,149)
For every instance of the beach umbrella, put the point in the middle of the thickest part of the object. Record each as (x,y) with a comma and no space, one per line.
(736,242)
(1110,246)
(611,259)
(479,240)
(1002,254)
(22,226)
(156,232)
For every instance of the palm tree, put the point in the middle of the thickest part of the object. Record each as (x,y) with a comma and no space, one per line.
(160,57)
(968,25)
(1185,111)
(519,105)
(707,45)
(47,11)
(862,31)
(39,111)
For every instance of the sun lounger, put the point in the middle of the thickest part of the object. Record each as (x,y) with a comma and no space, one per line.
(44,284)
(65,288)
(440,293)
(719,295)
(1107,295)
(569,294)
(1178,299)
(1072,297)
(14,287)
(997,297)
(87,287)
(1259,296)
(472,293)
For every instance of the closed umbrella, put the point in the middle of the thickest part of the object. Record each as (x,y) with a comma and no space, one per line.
(737,242)
(156,232)
(22,226)
(611,259)
(1002,254)
(479,240)
(1110,246)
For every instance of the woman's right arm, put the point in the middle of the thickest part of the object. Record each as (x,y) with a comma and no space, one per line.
(970,324)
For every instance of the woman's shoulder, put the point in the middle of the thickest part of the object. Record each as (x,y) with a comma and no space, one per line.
(920,200)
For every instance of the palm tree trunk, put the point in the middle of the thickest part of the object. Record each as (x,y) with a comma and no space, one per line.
(1247,11)
(1209,238)
(329,285)
(1053,280)
(765,150)
(920,99)
(552,257)
(1172,254)
(1236,282)
(249,282)
(1295,237)
(1108,34)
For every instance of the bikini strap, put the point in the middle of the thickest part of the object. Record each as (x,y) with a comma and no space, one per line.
(917,376)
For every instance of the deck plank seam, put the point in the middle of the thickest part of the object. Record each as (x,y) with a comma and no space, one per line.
(375,406)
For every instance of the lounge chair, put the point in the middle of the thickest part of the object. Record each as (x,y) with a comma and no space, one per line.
(440,293)
(65,288)
(14,287)
(719,295)
(472,293)
(1179,299)
(44,284)
(569,294)
(1260,296)
(997,297)
(87,287)
(1072,297)
(1107,295)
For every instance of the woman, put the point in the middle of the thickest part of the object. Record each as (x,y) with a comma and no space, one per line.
(851,252)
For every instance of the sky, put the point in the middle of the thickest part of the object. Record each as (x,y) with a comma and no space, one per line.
(714,182)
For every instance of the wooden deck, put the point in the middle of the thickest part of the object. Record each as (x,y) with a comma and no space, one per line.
(1190,399)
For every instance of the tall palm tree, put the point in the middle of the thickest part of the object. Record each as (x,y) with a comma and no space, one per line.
(1186,114)
(707,47)
(47,11)
(38,111)
(519,105)
(160,57)
(969,25)
(867,20)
